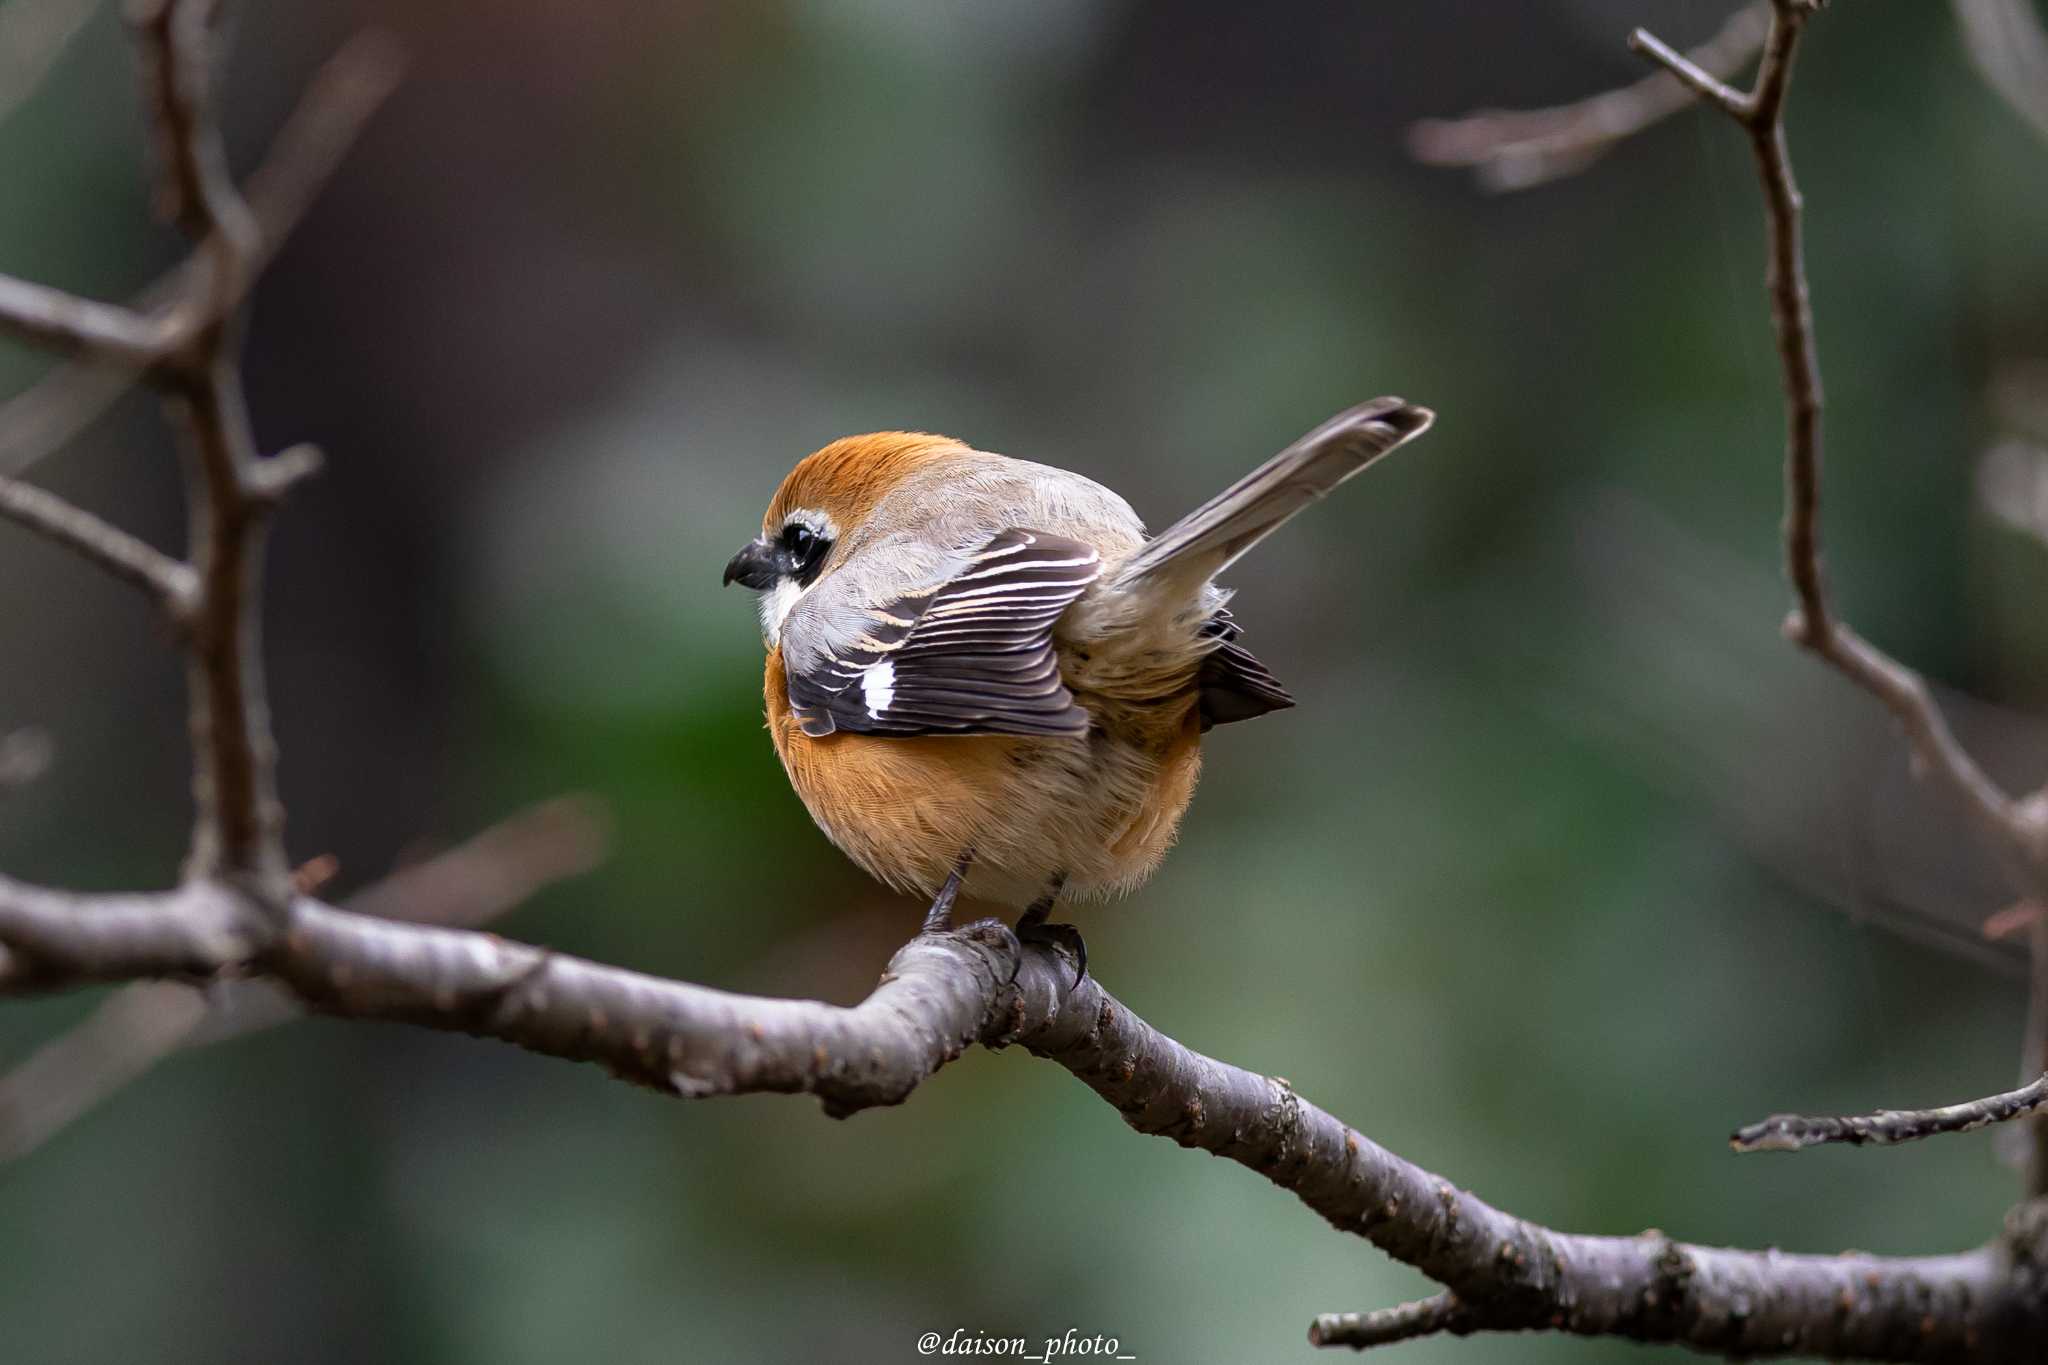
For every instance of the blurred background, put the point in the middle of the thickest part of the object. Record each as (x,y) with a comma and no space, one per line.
(1565,865)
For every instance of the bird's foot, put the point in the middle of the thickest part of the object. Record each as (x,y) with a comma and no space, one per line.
(939,919)
(1033,928)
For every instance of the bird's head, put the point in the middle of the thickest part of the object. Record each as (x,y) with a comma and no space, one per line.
(824,499)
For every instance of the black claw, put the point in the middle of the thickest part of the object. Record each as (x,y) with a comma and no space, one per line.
(1032,928)
(939,919)
(1064,935)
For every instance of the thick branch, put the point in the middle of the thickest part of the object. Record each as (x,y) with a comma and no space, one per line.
(943,992)
(56,940)
(1791,1132)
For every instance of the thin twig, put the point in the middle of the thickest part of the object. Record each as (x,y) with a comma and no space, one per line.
(33,35)
(64,322)
(2008,44)
(2017,831)
(1703,84)
(329,117)
(130,1032)
(190,347)
(1516,149)
(1385,1326)
(133,561)
(1792,1132)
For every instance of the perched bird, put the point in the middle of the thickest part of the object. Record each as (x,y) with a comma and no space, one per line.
(982,676)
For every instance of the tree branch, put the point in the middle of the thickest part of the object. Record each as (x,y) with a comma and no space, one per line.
(238,830)
(134,561)
(2006,41)
(943,992)
(1792,1132)
(235,925)
(2017,831)
(33,35)
(190,348)
(1518,149)
(329,117)
(64,322)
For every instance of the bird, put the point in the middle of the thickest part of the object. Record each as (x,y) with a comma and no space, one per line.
(984,678)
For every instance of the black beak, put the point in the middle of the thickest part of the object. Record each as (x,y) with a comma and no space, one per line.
(754,566)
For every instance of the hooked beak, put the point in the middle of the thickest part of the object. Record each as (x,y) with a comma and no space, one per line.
(754,566)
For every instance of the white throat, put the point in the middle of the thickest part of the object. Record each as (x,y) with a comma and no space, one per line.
(776,604)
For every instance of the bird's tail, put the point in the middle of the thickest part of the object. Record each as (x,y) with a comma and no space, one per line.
(1209,539)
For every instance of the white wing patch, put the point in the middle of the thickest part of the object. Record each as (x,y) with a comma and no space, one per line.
(878,686)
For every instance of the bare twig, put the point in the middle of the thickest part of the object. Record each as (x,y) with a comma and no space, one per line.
(326,123)
(141,1024)
(1518,149)
(2009,921)
(238,830)
(33,35)
(1386,1326)
(1791,1132)
(302,158)
(47,416)
(189,347)
(129,1033)
(2006,40)
(64,322)
(127,558)
(2018,831)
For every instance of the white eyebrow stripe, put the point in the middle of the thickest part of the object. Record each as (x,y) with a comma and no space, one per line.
(818,522)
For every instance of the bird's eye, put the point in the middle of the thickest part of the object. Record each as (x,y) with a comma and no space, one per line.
(805,548)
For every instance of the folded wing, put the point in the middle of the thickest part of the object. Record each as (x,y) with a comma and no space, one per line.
(972,656)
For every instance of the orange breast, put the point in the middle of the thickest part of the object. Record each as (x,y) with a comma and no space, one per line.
(1100,811)
(903,808)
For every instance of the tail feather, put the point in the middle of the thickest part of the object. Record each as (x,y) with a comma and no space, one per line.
(1209,539)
